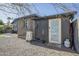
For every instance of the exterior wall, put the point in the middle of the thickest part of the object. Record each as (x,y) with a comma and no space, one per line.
(21,28)
(25,26)
(76,35)
(30,29)
(65,28)
(75,25)
(41,29)
(30,24)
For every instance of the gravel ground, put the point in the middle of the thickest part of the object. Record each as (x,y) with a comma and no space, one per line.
(10,45)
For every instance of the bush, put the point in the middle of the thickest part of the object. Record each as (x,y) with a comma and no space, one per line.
(1,28)
(7,29)
(1,22)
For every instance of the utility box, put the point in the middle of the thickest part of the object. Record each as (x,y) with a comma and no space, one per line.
(29,35)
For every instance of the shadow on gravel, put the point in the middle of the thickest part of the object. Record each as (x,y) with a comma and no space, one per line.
(39,43)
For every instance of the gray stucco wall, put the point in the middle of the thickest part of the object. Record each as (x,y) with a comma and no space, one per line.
(25,25)
(30,26)
(41,29)
(21,28)
(65,29)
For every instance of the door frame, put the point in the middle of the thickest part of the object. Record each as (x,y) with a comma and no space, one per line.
(49,24)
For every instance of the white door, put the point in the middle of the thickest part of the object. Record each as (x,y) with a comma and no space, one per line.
(55,31)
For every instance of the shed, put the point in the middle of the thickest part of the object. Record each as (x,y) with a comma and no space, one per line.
(54,29)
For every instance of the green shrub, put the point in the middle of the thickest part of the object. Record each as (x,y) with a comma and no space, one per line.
(1,28)
(1,22)
(7,29)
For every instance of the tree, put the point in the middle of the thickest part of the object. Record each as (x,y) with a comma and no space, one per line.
(16,8)
(1,22)
(1,26)
(9,18)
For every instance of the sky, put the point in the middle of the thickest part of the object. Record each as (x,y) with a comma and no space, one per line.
(44,9)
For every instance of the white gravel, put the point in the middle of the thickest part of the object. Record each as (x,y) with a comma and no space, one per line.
(12,46)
